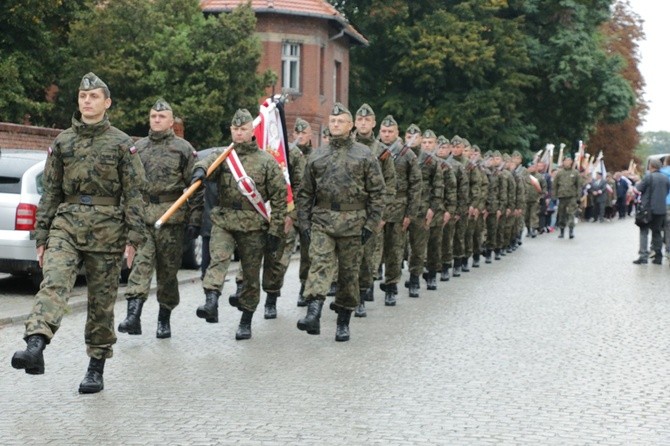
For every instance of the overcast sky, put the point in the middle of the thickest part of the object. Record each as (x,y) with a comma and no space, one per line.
(654,66)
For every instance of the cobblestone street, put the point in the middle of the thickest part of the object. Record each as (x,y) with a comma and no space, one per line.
(564,342)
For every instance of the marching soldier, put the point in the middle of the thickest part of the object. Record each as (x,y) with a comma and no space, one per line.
(91,209)
(533,198)
(340,203)
(567,187)
(520,176)
(241,220)
(450,204)
(365,124)
(508,201)
(474,211)
(168,162)
(493,209)
(463,208)
(302,135)
(400,210)
(480,205)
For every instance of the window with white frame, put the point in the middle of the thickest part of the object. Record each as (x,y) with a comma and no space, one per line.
(290,66)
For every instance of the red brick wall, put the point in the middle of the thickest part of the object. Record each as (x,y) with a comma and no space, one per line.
(15,136)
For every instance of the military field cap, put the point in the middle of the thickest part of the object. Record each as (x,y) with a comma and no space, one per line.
(516,154)
(339,109)
(301,125)
(466,143)
(476,148)
(442,140)
(567,157)
(389,121)
(487,154)
(496,153)
(365,110)
(429,134)
(326,132)
(506,157)
(161,105)
(241,117)
(456,140)
(413,129)
(90,82)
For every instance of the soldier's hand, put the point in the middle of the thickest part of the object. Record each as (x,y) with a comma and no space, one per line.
(429,217)
(446,218)
(192,232)
(405,223)
(40,255)
(271,243)
(365,235)
(130,255)
(307,235)
(288,224)
(199,174)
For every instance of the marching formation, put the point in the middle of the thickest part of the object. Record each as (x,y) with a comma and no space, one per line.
(359,204)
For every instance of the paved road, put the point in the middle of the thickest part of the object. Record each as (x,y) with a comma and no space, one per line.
(562,343)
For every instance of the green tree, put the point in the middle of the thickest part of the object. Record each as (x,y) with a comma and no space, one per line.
(204,66)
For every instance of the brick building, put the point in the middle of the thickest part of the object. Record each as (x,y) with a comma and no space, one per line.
(307,43)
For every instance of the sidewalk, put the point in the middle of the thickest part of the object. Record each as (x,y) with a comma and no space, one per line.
(15,310)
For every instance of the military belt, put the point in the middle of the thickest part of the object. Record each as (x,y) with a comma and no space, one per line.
(341,206)
(90,200)
(158,199)
(238,205)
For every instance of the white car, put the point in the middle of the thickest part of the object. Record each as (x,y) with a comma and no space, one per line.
(20,190)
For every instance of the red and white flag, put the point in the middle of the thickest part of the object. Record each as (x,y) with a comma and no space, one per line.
(269,132)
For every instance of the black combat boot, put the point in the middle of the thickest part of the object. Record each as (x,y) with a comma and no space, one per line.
(360,309)
(464,264)
(497,254)
(457,268)
(163,330)
(414,285)
(301,299)
(391,293)
(31,359)
(342,330)
(380,274)
(370,294)
(562,234)
(533,233)
(234,299)
(132,324)
(311,322)
(210,311)
(572,232)
(92,382)
(475,261)
(271,306)
(431,280)
(333,289)
(487,256)
(658,258)
(444,274)
(244,329)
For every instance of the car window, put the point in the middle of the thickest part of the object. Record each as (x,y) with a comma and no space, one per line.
(38,180)
(10,185)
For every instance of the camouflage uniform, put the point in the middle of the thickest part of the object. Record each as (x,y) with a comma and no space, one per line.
(168,162)
(90,209)
(533,197)
(493,205)
(509,201)
(235,222)
(452,247)
(479,226)
(450,205)
(342,192)
(567,187)
(521,178)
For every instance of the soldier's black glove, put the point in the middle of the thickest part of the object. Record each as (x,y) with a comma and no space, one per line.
(271,243)
(192,232)
(198,174)
(365,235)
(306,236)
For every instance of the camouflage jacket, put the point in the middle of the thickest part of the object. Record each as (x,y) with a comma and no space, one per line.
(92,161)
(450,187)
(342,174)
(493,192)
(386,163)
(432,189)
(306,149)
(233,212)
(296,169)
(567,183)
(462,188)
(408,183)
(532,195)
(507,189)
(483,180)
(168,163)
(520,174)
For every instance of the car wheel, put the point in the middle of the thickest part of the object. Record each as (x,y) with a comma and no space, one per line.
(192,257)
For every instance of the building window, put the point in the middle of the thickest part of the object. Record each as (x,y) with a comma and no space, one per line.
(337,79)
(290,66)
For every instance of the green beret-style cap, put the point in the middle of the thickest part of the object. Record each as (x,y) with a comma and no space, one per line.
(241,117)
(568,156)
(496,153)
(429,134)
(365,110)
(442,140)
(487,154)
(413,129)
(90,82)
(516,154)
(506,158)
(456,140)
(339,109)
(389,121)
(300,125)
(161,105)
(476,148)
(465,142)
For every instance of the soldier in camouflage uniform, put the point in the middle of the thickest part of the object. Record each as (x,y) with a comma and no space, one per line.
(432,197)
(567,187)
(302,135)
(474,211)
(168,163)
(508,201)
(533,197)
(450,205)
(493,209)
(340,203)
(400,210)
(520,176)
(365,124)
(479,224)
(456,230)
(237,223)
(91,209)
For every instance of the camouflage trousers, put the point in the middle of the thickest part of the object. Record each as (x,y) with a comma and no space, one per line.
(491,231)
(251,247)
(162,251)
(473,236)
(434,249)
(501,232)
(326,254)
(61,263)
(532,220)
(394,251)
(368,267)
(448,242)
(379,251)
(459,236)
(566,212)
(418,242)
